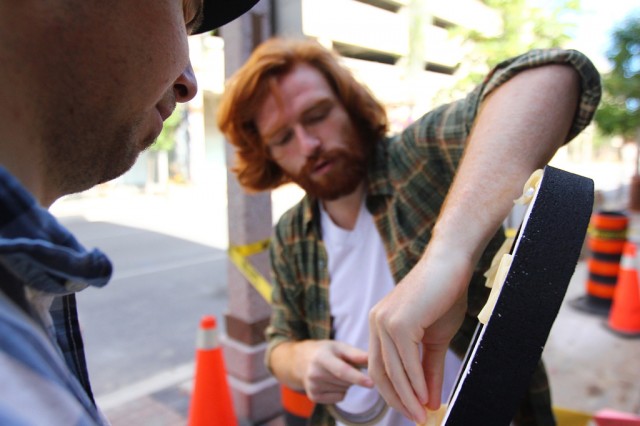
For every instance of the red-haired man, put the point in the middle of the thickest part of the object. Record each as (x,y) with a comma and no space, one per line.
(395,231)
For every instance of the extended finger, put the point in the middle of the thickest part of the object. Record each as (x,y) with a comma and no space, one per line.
(379,375)
(377,364)
(409,352)
(433,363)
(394,366)
(341,372)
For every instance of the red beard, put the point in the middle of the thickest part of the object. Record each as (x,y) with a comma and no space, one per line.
(348,169)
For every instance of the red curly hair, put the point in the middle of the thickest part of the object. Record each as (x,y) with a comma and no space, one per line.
(253,82)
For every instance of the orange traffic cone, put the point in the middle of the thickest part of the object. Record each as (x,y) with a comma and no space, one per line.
(606,237)
(624,317)
(211,402)
(297,407)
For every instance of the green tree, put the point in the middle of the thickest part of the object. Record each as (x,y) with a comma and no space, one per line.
(166,140)
(619,112)
(524,27)
(158,160)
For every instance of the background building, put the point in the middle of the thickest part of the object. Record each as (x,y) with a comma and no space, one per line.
(401,49)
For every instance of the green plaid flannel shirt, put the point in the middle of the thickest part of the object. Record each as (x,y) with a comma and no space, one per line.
(408,180)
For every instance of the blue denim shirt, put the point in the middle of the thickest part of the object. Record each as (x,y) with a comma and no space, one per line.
(42,361)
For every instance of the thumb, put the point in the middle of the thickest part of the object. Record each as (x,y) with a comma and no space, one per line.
(358,359)
(354,356)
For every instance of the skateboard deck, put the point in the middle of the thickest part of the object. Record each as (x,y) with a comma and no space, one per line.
(506,349)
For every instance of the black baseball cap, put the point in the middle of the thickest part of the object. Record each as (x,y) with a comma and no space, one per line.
(220,12)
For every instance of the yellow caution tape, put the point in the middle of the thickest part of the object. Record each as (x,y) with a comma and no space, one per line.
(251,249)
(239,254)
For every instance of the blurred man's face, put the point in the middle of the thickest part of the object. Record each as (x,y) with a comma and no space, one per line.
(310,135)
(103,76)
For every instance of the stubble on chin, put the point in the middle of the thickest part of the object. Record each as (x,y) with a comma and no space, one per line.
(78,166)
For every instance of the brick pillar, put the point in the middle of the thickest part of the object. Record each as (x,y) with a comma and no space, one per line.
(255,392)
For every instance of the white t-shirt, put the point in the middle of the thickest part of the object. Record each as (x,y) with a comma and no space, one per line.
(360,277)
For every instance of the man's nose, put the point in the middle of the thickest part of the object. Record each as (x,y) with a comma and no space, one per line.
(186,85)
(308,142)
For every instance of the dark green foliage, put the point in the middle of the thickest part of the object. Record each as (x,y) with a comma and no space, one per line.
(619,113)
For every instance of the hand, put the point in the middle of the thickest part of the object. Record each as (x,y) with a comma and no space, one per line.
(331,369)
(424,311)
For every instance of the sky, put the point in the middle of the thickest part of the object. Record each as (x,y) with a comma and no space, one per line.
(595,24)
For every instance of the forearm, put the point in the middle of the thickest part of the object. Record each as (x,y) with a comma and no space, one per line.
(286,362)
(518,129)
